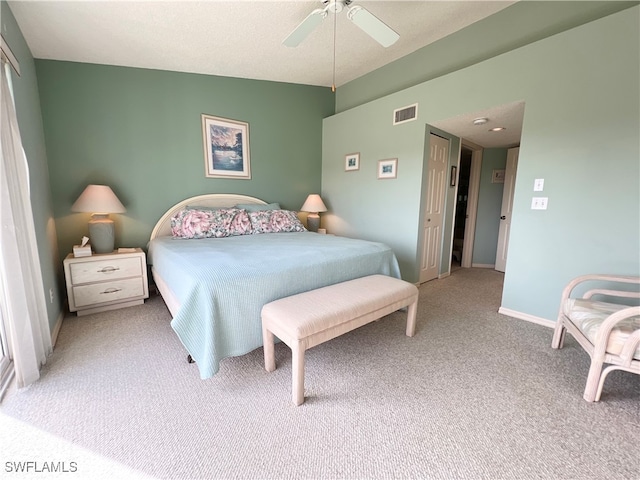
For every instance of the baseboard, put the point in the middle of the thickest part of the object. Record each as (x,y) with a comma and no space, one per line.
(526,317)
(483,265)
(56,329)
(444,275)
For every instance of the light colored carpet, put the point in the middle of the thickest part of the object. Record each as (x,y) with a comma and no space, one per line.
(474,394)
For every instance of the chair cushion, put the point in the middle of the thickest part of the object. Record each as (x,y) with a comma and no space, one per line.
(588,315)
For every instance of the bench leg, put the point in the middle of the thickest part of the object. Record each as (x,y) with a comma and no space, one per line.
(297,373)
(269,354)
(411,318)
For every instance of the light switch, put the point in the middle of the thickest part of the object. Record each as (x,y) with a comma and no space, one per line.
(538,184)
(539,203)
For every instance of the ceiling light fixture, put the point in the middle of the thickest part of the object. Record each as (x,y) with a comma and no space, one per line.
(480,121)
(497,129)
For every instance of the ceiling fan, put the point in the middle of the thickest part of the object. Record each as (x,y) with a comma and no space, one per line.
(369,23)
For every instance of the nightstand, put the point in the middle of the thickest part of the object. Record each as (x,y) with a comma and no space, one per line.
(106,281)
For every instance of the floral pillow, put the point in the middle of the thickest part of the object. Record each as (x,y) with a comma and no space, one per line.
(275,221)
(223,222)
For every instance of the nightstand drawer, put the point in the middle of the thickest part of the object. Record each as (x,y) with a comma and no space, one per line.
(85,295)
(105,270)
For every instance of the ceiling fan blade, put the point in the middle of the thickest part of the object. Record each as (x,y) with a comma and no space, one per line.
(372,26)
(301,32)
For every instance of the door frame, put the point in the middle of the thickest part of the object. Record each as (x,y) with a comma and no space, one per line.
(472,201)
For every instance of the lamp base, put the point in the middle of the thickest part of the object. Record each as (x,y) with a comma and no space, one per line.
(101,233)
(313,222)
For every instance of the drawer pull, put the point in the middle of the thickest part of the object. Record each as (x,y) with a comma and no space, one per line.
(111,290)
(108,269)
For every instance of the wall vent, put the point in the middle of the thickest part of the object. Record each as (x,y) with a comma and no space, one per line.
(405,114)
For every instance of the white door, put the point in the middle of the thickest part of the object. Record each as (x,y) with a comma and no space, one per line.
(472,203)
(507,209)
(434,207)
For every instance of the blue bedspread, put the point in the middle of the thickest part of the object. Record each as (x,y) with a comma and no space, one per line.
(222,283)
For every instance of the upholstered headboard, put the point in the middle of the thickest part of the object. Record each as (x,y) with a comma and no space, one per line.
(163,227)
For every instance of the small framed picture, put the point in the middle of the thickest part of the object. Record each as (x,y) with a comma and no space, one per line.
(388,168)
(497,176)
(226,147)
(352,162)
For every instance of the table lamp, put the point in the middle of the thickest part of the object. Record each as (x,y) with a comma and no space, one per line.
(313,204)
(100,201)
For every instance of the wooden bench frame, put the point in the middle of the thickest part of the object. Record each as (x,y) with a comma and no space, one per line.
(308,319)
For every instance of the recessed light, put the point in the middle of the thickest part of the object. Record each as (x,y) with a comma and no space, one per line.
(497,129)
(480,121)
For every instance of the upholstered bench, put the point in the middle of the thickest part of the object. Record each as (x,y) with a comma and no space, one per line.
(308,319)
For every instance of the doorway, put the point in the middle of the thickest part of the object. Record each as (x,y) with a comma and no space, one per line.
(462,199)
(466,204)
(497,127)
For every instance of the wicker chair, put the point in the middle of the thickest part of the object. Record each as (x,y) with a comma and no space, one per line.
(608,331)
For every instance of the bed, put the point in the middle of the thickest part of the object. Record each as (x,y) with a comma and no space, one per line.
(215,287)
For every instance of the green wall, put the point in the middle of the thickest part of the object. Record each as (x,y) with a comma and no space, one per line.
(139,131)
(360,205)
(581,134)
(27,104)
(515,26)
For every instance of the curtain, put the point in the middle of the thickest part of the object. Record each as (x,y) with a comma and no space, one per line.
(24,307)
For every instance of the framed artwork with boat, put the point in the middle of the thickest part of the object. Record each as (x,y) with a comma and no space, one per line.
(226,147)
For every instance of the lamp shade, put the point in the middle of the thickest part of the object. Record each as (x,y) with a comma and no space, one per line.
(98,199)
(313,204)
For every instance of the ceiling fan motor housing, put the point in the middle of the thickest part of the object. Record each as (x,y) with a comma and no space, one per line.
(336,6)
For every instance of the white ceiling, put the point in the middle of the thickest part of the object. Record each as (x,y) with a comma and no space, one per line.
(235,38)
(509,116)
(244,39)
